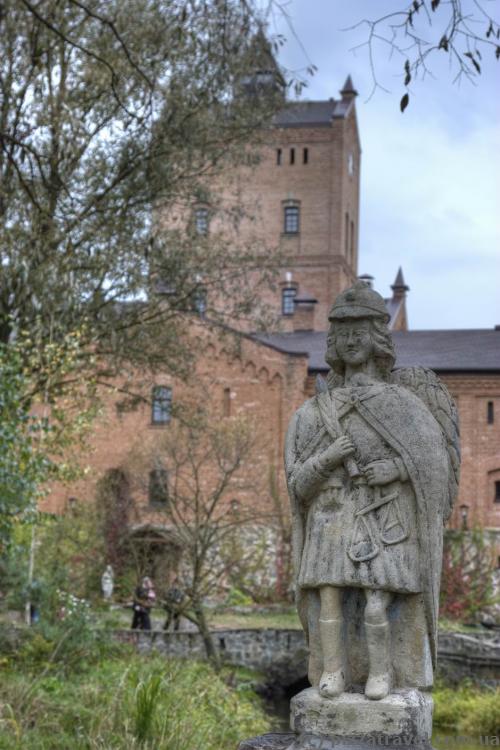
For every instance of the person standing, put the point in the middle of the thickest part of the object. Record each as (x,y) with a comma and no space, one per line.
(173,605)
(144,600)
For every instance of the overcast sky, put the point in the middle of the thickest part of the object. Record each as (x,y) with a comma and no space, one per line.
(430,197)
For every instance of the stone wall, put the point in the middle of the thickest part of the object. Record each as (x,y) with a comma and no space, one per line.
(281,655)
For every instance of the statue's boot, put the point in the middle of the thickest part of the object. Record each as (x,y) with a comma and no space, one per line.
(332,681)
(378,684)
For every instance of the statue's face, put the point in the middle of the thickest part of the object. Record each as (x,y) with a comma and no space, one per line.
(353,340)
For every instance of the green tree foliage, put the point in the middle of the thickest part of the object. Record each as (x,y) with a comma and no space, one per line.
(23,466)
(113,113)
(39,437)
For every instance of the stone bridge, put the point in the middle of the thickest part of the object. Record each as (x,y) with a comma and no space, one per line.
(281,655)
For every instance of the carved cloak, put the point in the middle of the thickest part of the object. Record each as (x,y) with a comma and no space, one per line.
(407,425)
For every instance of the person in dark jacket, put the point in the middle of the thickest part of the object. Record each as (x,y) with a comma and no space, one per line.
(173,605)
(144,599)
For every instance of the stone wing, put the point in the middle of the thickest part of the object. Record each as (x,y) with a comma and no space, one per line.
(425,384)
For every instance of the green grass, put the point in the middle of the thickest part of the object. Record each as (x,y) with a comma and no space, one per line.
(467,710)
(130,702)
(256,619)
(218,620)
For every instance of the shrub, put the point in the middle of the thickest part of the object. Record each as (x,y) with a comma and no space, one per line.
(467,575)
(467,710)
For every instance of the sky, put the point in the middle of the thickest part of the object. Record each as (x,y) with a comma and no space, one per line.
(430,184)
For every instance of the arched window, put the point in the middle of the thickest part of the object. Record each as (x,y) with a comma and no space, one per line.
(161,404)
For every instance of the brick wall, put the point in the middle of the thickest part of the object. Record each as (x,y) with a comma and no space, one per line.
(480,446)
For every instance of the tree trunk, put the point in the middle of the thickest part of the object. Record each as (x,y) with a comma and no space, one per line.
(213,654)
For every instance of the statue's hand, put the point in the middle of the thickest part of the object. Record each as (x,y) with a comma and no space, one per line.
(381,472)
(335,454)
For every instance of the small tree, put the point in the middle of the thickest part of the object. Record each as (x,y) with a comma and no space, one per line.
(467,574)
(201,461)
(23,466)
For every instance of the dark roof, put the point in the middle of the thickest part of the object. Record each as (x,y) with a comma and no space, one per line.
(305,114)
(445,351)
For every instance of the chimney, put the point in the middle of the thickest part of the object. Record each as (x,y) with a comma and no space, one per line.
(367,278)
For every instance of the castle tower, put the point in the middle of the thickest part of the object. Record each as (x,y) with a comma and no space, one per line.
(305,188)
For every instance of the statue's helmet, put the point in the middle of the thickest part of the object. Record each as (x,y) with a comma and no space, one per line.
(359,301)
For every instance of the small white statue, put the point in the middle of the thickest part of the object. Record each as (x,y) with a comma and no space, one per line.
(107,582)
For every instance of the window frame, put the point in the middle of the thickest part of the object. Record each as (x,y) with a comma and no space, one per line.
(291,213)
(156,486)
(161,406)
(201,224)
(496,493)
(199,300)
(288,293)
(490,412)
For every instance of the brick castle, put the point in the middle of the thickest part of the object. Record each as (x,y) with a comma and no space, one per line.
(307,188)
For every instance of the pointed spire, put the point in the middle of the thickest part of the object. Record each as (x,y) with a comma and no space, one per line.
(262,69)
(348,91)
(400,287)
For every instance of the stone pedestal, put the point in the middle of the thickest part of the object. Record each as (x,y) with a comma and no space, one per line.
(313,742)
(353,722)
(405,715)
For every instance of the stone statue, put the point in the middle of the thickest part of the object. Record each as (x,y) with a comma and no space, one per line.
(107,582)
(372,465)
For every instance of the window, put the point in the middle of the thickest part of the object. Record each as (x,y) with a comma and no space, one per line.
(278,157)
(288,301)
(161,404)
(490,412)
(352,242)
(292,156)
(497,492)
(158,487)
(305,156)
(199,301)
(291,220)
(201,221)
(227,402)
(350,163)
(346,238)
